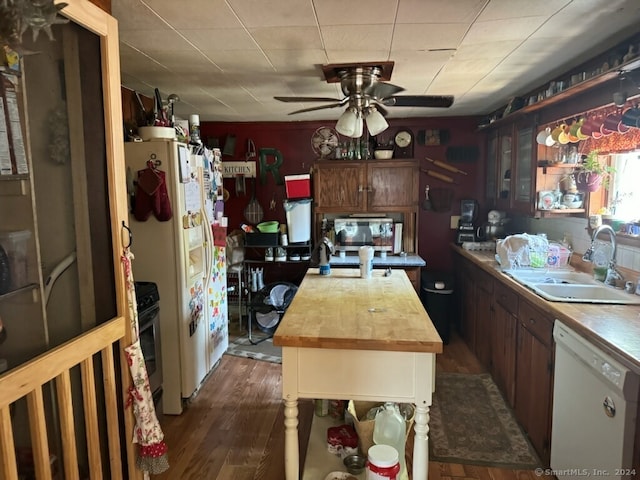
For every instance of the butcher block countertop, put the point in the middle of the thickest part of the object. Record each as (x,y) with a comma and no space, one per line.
(344,311)
(613,328)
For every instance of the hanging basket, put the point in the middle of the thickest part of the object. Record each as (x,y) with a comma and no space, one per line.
(588,181)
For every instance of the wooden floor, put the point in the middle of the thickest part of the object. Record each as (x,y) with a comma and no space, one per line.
(233,429)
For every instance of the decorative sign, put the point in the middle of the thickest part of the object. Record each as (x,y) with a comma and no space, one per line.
(273,168)
(231,169)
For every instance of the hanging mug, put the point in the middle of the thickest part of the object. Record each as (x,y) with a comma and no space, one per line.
(631,117)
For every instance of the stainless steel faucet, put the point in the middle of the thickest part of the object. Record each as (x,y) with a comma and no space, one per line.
(614,277)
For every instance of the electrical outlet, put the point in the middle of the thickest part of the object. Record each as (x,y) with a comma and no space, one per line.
(455,219)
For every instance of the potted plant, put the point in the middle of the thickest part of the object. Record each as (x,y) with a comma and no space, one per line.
(592,174)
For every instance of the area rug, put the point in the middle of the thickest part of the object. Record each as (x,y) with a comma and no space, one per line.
(471,424)
(265,350)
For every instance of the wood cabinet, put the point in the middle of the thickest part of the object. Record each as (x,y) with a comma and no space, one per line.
(484,313)
(475,297)
(385,187)
(371,186)
(511,160)
(503,340)
(513,339)
(534,376)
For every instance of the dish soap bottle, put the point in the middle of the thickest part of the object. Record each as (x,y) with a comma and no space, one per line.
(390,429)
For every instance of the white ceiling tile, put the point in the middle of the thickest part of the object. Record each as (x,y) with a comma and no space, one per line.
(195,13)
(287,38)
(438,11)
(501,10)
(150,40)
(357,37)
(346,56)
(506,29)
(246,61)
(220,39)
(282,13)
(414,36)
(355,12)
(301,62)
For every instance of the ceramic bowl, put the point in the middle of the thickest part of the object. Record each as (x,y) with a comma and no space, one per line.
(383,154)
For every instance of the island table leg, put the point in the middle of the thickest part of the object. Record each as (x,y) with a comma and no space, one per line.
(291,448)
(421,443)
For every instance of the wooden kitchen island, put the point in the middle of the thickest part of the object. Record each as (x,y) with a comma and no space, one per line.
(344,337)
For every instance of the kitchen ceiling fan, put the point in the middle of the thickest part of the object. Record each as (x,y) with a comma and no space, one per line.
(367,93)
(364,85)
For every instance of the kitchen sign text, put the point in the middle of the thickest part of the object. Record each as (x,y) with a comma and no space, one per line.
(231,169)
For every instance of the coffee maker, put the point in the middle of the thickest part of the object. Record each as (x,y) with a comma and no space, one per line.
(466,228)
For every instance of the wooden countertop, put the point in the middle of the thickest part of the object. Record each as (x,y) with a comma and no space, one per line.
(613,328)
(344,311)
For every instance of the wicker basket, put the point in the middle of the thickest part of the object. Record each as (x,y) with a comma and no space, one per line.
(364,428)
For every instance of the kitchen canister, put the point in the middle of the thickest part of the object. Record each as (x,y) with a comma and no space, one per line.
(382,463)
(366,261)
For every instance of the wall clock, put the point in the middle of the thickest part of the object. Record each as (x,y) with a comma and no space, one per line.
(403,143)
(324,142)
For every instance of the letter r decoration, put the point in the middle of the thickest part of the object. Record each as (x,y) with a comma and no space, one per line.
(273,168)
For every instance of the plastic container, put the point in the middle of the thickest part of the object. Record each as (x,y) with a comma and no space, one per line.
(298,186)
(366,261)
(15,246)
(390,429)
(298,213)
(382,463)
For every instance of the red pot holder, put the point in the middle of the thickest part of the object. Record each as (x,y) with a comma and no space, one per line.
(152,195)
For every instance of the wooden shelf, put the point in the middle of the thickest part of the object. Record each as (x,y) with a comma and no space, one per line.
(560,212)
(568,92)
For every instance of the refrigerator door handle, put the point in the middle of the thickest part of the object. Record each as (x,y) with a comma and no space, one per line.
(208,255)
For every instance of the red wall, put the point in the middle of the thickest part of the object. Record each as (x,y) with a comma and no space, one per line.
(293,140)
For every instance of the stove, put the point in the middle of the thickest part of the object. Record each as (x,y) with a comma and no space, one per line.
(148,301)
(147,295)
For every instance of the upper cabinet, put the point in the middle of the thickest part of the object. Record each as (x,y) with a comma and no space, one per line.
(510,168)
(368,186)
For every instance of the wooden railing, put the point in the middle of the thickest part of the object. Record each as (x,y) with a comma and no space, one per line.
(52,372)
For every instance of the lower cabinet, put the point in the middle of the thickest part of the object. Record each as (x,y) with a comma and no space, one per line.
(534,377)
(512,339)
(503,341)
(484,313)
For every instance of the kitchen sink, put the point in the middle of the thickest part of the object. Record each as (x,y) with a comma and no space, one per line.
(593,293)
(550,276)
(571,286)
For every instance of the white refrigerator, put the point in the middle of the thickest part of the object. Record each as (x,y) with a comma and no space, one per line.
(173,247)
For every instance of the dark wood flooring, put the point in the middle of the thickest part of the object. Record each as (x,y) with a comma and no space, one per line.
(233,429)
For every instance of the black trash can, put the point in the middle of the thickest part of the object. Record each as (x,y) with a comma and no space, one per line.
(436,293)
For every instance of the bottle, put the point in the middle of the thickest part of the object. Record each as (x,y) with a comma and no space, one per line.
(390,429)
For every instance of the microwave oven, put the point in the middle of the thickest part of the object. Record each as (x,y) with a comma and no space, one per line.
(355,232)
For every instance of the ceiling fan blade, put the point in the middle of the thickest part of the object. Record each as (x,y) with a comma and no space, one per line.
(435,101)
(306,99)
(312,109)
(380,90)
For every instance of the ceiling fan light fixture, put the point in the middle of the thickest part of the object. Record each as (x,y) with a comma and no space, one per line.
(359,126)
(376,123)
(347,122)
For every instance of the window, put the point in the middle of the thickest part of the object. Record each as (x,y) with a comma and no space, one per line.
(624,202)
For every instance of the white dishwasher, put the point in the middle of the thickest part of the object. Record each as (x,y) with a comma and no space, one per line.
(594,410)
